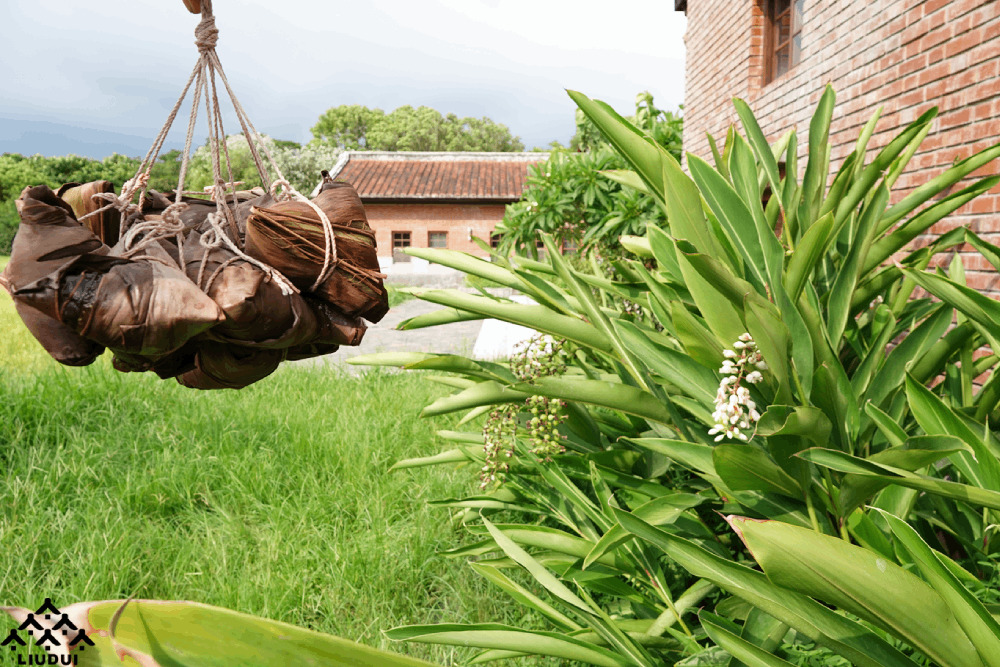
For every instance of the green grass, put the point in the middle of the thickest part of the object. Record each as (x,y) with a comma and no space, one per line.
(275,500)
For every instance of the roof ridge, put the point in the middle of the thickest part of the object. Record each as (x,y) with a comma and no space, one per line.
(445,156)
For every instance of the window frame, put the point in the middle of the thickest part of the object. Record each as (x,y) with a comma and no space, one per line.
(397,240)
(772,48)
(430,235)
(398,245)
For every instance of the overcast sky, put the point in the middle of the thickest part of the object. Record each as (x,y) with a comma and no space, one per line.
(94,78)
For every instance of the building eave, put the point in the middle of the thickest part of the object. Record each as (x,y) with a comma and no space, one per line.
(477,201)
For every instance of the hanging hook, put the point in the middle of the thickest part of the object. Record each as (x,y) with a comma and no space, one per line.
(194,6)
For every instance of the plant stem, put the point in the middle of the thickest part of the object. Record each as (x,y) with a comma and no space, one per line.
(798,386)
(812,513)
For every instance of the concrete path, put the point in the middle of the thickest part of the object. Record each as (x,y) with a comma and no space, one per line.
(457,338)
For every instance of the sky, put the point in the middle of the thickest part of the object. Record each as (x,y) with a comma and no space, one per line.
(94,78)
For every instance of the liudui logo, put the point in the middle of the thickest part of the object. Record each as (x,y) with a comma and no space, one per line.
(52,630)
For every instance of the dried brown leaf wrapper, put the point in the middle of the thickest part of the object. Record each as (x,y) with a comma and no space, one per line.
(290,237)
(105,225)
(62,270)
(62,343)
(221,366)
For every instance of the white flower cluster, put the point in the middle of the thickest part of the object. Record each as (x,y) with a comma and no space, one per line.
(536,357)
(735,412)
(301,166)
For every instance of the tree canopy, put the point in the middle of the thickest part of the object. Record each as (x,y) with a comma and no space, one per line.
(570,197)
(356,127)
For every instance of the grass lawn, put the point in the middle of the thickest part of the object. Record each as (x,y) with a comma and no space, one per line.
(274,500)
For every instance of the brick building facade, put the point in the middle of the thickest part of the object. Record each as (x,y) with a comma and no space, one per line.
(904,55)
(434,199)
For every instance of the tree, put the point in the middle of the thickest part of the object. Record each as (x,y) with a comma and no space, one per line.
(569,197)
(408,128)
(301,165)
(346,126)
(20,171)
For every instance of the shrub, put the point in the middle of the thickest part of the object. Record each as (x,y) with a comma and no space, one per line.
(783,400)
(301,165)
(578,195)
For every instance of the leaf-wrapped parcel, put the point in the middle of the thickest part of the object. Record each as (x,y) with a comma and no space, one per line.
(181,306)
(290,237)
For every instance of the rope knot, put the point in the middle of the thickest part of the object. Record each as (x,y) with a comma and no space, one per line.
(206,35)
(286,190)
(171,217)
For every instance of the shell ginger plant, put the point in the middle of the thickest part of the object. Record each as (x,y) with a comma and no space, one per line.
(858,523)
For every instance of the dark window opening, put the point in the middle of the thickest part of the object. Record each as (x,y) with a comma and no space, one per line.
(783,39)
(495,240)
(437,239)
(400,240)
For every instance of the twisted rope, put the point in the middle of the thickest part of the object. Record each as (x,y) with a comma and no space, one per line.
(203,78)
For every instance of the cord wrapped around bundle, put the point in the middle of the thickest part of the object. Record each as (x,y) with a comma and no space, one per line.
(290,237)
(176,300)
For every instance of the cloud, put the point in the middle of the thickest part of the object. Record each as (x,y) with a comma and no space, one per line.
(87,72)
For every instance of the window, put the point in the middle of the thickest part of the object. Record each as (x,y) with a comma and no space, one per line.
(570,246)
(437,239)
(400,240)
(495,240)
(783,40)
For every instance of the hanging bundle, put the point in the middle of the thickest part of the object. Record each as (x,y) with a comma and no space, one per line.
(215,293)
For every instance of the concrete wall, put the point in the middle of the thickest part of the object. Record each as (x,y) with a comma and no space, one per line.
(907,55)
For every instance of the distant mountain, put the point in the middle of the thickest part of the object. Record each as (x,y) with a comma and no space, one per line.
(18,135)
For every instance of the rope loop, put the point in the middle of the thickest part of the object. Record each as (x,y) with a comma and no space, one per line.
(172,215)
(286,190)
(122,203)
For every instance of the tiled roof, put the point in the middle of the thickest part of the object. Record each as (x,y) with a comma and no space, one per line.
(412,176)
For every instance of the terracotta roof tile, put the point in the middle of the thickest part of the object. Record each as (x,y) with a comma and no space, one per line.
(449,176)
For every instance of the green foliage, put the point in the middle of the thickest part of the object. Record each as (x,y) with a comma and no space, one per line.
(158,632)
(575,197)
(18,172)
(301,165)
(777,372)
(9,221)
(356,127)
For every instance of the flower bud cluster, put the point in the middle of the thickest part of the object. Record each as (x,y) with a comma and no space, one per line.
(498,445)
(539,356)
(735,412)
(543,426)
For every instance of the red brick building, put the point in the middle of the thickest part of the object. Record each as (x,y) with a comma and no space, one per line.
(434,200)
(904,55)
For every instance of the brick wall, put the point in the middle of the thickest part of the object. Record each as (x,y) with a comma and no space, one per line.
(420,219)
(906,55)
